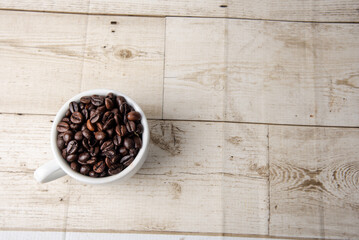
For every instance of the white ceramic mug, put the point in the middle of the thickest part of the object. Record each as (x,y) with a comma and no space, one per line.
(59,167)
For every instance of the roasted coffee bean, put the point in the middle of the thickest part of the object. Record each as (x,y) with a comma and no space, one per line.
(67,120)
(121,130)
(101,109)
(92,141)
(93,174)
(108,115)
(83,127)
(92,161)
(99,167)
(81,149)
(85,113)
(99,126)
(128,162)
(77,118)
(110,132)
(94,151)
(84,156)
(95,116)
(106,146)
(74,107)
(90,107)
(110,95)
(97,100)
(68,113)
(128,143)
(131,126)
(109,153)
(75,166)
(85,99)
(100,136)
(64,153)
(62,127)
(116,170)
(108,103)
(120,100)
(72,147)
(117,119)
(103,174)
(86,133)
(116,158)
(81,105)
(125,158)
(85,169)
(139,128)
(60,143)
(138,142)
(85,144)
(124,108)
(117,140)
(60,135)
(78,136)
(75,126)
(123,151)
(133,116)
(133,152)
(71,157)
(108,162)
(109,124)
(115,111)
(90,126)
(68,136)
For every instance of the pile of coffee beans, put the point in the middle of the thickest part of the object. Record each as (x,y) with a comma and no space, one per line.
(100,135)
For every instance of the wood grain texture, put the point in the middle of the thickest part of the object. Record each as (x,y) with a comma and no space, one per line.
(195,171)
(48,65)
(292,10)
(314,182)
(126,54)
(260,71)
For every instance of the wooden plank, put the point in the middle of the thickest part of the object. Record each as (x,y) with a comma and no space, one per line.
(268,72)
(314,182)
(293,10)
(46,67)
(41,60)
(127,54)
(24,203)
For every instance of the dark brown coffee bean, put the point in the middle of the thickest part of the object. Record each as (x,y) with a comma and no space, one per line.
(117,140)
(99,167)
(139,128)
(110,95)
(60,143)
(81,149)
(106,146)
(128,162)
(72,147)
(120,100)
(93,174)
(101,109)
(94,151)
(133,152)
(99,126)
(100,136)
(108,162)
(84,156)
(128,143)
(83,127)
(90,126)
(64,153)
(116,170)
(131,126)
(109,153)
(108,115)
(77,118)
(75,166)
(74,126)
(138,142)
(103,174)
(67,120)
(110,132)
(109,124)
(85,144)
(125,158)
(92,161)
(81,105)
(71,157)
(133,116)
(91,107)
(60,135)
(74,107)
(62,127)
(123,151)
(68,136)
(68,113)
(95,116)
(85,169)
(85,99)
(85,113)
(97,100)
(108,103)
(92,141)
(124,108)
(121,130)
(115,111)
(78,136)
(86,133)
(117,118)
(116,158)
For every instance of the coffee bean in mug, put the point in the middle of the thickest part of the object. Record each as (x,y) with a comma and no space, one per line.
(100,136)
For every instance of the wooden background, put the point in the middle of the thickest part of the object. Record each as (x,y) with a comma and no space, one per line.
(253,108)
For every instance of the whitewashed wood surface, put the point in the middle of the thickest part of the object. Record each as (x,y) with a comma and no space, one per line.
(254,123)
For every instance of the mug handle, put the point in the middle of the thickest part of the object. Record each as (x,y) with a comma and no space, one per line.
(48,172)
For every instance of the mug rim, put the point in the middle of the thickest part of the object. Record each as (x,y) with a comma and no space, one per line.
(87,179)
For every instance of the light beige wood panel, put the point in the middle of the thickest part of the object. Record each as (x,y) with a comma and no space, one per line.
(25,204)
(194,69)
(41,60)
(296,10)
(190,176)
(268,72)
(127,54)
(293,10)
(293,73)
(314,182)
